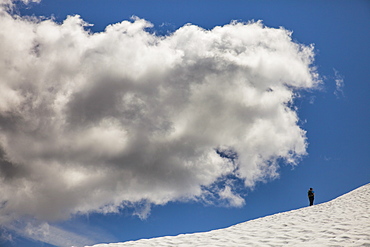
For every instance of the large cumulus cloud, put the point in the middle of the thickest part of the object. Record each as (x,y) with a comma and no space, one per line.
(94,121)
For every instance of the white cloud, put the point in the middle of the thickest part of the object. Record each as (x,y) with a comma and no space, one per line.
(97,121)
(9,4)
(339,84)
(47,233)
(233,199)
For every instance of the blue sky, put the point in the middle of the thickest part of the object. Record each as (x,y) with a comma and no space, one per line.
(335,115)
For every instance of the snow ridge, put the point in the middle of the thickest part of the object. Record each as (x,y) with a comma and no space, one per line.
(344,221)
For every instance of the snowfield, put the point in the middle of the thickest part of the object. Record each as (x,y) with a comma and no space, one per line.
(344,221)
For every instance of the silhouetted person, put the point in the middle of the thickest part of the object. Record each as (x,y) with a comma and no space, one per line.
(311,196)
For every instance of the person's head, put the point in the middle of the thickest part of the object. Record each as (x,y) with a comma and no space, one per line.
(310,188)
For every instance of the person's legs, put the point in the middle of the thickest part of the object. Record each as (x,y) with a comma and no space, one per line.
(311,200)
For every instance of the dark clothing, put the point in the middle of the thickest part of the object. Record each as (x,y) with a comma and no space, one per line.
(312,198)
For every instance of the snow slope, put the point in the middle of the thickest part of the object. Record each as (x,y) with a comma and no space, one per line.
(344,221)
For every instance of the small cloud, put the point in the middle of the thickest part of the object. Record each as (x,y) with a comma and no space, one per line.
(312,99)
(234,200)
(339,84)
(142,210)
(327,158)
(43,232)
(6,236)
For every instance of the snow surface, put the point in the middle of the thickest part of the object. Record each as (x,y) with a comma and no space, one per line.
(344,221)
